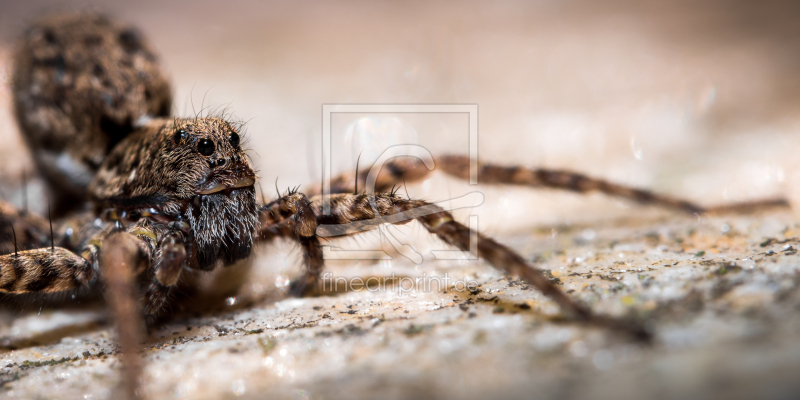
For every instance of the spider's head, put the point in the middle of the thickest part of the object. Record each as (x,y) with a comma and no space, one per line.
(218,189)
(192,170)
(207,155)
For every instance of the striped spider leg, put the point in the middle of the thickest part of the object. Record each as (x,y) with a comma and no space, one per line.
(400,171)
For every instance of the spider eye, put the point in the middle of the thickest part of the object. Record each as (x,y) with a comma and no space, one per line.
(234,139)
(178,136)
(206,147)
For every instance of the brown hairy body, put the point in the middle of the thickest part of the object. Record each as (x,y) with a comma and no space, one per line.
(163,196)
(81,83)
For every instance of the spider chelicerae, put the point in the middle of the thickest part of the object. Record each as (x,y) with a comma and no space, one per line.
(147,199)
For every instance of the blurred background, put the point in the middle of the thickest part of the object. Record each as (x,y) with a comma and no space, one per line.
(697,100)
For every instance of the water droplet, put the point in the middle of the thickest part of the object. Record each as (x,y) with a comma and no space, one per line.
(636,148)
(282,281)
(445,347)
(238,388)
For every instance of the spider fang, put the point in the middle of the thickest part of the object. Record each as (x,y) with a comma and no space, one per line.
(218,187)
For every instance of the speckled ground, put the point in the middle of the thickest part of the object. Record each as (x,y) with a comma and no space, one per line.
(721,296)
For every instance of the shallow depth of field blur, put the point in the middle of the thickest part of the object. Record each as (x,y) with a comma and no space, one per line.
(699,101)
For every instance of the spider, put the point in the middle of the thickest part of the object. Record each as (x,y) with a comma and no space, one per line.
(151,199)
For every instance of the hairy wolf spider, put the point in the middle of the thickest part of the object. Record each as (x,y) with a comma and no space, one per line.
(153,198)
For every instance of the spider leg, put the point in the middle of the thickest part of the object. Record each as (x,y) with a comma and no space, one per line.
(33,263)
(122,259)
(144,253)
(22,230)
(362,212)
(292,216)
(44,270)
(153,255)
(406,170)
(163,254)
(56,269)
(31,231)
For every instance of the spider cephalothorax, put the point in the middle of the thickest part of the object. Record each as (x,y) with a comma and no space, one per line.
(189,173)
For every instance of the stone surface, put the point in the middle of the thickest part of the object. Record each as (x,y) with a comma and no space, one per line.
(721,295)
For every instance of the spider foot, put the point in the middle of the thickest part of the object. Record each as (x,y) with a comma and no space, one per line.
(305,286)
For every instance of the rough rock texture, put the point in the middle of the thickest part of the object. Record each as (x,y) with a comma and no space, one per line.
(721,295)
